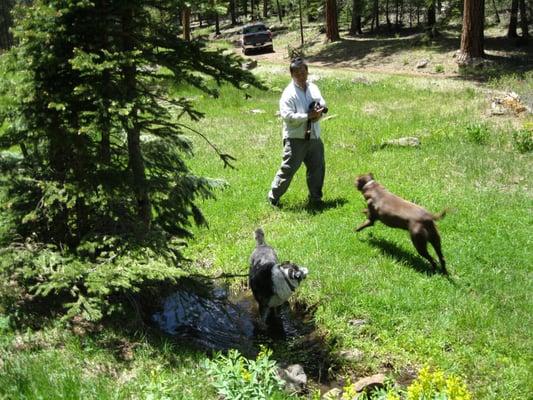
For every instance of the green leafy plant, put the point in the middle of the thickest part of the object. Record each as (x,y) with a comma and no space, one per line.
(439,68)
(433,384)
(478,133)
(236,377)
(523,140)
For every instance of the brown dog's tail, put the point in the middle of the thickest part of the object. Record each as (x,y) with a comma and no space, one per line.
(440,215)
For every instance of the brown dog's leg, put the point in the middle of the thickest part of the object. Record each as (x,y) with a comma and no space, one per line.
(434,239)
(364,225)
(419,239)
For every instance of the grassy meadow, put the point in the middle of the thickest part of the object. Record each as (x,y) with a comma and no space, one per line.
(476,324)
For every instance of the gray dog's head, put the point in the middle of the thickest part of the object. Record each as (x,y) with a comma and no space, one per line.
(294,273)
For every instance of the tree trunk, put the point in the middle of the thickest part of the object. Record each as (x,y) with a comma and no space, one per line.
(513,20)
(387,19)
(332,27)
(301,23)
(523,19)
(472,36)
(6,40)
(495,7)
(355,26)
(265,8)
(217,23)
(376,14)
(132,127)
(232,12)
(186,22)
(279,12)
(431,15)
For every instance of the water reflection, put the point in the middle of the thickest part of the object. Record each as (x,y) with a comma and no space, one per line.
(209,320)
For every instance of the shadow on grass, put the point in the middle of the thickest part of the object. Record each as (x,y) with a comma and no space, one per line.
(316,208)
(391,249)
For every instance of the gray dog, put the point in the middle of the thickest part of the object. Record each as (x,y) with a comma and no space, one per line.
(396,212)
(272,282)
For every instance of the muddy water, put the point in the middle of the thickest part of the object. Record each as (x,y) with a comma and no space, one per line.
(212,317)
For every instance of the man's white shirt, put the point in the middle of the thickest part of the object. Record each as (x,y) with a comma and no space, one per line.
(294,108)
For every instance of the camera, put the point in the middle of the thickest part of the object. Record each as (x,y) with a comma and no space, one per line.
(313,106)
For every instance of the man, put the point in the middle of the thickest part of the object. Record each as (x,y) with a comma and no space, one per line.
(301,106)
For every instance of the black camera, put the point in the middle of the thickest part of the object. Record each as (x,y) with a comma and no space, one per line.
(313,106)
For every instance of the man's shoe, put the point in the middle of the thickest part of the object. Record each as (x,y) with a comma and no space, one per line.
(315,203)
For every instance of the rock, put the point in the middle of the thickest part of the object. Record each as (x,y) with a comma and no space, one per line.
(357,322)
(332,394)
(370,383)
(408,141)
(294,377)
(352,356)
(422,63)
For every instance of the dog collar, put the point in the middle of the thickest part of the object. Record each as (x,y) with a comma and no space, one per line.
(368,183)
(293,288)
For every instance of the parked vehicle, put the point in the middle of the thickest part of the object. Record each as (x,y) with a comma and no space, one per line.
(256,36)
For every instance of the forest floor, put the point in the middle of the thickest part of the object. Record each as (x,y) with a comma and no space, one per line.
(396,53)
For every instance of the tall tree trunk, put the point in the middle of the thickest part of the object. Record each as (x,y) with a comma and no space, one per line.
(332,26)
(279,12)
(523,19)
(132,127)
(265,8)
(232,12)
(495,7)
(252,10)
(355,26)
(217,24)
(397,16)
(431,15)
(387,19)
(301,23)
(186,22)
(376,14)
(6,40)
(513,20)
(472,36)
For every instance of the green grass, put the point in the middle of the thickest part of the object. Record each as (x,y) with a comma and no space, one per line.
(56,364)
(478,324)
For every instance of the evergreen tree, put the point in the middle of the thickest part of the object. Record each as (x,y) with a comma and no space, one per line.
(101,193)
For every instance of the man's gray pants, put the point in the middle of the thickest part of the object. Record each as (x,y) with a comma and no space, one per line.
(296,151)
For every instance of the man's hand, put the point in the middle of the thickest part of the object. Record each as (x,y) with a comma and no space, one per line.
(314,115)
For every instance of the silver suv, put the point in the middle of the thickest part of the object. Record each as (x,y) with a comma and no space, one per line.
(256,36)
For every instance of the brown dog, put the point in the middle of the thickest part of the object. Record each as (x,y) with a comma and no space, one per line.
(396,212)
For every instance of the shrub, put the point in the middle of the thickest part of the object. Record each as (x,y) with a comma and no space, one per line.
(523,140)
(477,133)
(433,384)
(234,376)
(439,69)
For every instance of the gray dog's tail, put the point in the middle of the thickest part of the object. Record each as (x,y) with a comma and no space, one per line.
(259,237)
